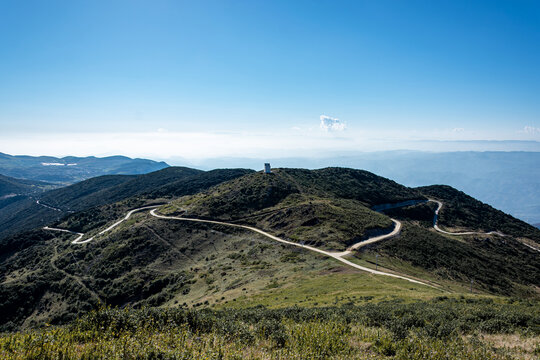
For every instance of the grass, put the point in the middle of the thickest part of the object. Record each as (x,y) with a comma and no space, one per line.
(442,329)
(395,265)
(336,286)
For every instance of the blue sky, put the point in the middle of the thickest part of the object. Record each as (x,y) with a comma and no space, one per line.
(211,78)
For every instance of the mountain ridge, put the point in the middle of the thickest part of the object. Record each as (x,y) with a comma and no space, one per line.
(10,186)
(71,169)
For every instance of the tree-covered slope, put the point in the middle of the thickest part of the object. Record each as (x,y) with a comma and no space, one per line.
(108,189)
(494,264)
(10,187)
(25,213)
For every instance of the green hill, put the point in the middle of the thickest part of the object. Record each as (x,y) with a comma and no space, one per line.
(167,263)
(10,187)
(327,207)
(25,213)
(112,188)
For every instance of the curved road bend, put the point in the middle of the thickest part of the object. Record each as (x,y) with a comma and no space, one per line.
(79,240)
(48,206)
(337,256)
(436,218)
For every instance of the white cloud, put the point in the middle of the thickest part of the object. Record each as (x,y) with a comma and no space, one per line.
(531,130)
(332,124)
(458,130)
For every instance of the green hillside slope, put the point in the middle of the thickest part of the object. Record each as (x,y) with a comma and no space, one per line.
(493,264)
(10,187)
(462,211)
(25,214)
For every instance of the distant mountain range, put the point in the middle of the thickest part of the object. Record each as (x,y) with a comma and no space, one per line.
(71,169)
(506,180)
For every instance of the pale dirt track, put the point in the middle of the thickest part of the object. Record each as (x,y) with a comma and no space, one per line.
(440,205)
(339,256)
(79,240)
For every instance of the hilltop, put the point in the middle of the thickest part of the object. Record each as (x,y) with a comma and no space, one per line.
(332,209)
(328,207)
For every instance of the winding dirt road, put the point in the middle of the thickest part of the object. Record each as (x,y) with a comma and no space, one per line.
(337,256)
(436,218)
(79,240)
(48,206)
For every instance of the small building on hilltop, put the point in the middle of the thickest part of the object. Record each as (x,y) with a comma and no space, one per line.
(267,169)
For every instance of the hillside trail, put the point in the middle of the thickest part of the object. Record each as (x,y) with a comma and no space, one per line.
(48,206)
(436,227)
(79,240)
(339,256)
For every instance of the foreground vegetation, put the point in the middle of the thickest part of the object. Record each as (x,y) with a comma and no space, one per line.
(439,329)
